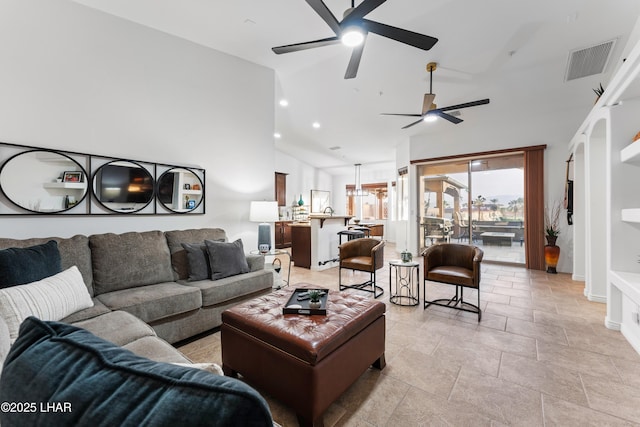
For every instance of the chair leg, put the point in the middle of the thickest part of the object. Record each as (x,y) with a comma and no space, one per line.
(368,286)
(457,302)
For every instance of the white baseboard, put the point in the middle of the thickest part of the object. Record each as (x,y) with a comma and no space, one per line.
(615,326)
(634,340)
(578,277)
(597,298)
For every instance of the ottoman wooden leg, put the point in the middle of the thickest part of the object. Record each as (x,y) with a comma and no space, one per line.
(229,372)
(380,363)
(306,422)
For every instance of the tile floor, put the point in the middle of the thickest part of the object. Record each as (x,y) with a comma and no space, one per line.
(540,357)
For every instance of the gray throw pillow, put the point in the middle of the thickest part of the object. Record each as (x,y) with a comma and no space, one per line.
(226,259)
(198,257)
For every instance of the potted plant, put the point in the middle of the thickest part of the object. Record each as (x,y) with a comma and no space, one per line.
(598,91)
(314,298)
(552,230)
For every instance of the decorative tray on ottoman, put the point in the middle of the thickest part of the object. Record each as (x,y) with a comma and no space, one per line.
(299,302)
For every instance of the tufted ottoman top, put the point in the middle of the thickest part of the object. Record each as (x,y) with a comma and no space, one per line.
(309,338)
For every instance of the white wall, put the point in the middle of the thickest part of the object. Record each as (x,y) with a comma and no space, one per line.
(73,78)
(302,178)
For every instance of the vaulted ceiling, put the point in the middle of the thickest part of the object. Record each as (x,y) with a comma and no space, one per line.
(514,52)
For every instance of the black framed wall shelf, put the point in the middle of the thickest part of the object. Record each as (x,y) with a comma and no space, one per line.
(43,181)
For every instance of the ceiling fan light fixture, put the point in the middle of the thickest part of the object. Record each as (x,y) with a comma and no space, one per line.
(352,37)
(430,118)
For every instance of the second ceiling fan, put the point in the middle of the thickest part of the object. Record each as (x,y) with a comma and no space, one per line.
(352,31)
(430,110)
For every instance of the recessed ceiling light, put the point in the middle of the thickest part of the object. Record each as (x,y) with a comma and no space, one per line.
(277,135)
(316,125)
(430,118)
(284,103)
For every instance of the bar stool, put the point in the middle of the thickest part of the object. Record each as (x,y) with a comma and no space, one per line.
(351,234)
(365,230)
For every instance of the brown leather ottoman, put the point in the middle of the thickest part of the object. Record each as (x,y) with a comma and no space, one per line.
(305,362)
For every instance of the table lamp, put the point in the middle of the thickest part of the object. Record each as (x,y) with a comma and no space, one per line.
(264,212)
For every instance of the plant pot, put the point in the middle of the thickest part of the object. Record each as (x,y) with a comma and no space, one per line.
(551,254)
(315,304)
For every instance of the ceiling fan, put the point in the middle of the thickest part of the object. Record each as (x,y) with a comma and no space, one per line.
(430,111)
(352,31)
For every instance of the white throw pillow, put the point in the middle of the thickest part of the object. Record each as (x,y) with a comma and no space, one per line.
(213,368)
(52,298)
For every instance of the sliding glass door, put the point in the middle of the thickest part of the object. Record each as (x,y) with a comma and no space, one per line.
(477,201)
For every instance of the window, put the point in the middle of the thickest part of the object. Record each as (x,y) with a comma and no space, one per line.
(375,201)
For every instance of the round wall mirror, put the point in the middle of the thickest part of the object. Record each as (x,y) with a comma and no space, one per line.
(43,181)
(123,186)
(180,190)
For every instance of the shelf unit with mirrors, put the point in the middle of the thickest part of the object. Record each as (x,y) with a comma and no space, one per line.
(606,226)
(43,181)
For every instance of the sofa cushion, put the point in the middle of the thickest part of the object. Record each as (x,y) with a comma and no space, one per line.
(175,238)
(96,310)
(198,259)
(154,302)
(52,298)
(114,386)
(25,265)
(123,261)
(215,292)
(226,259)
(73,251)
(118,327)
(157,349)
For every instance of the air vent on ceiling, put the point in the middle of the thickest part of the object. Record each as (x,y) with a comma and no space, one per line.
(589,61)
(335,147)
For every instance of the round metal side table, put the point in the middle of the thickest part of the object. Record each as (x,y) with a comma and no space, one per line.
(407,288)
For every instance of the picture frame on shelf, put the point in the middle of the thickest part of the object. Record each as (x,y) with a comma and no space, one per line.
(72,176)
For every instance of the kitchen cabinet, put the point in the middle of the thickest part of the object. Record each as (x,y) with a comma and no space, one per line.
(283,234)
(281,188)
(301,245)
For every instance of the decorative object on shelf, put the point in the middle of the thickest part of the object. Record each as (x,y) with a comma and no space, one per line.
(264,212)
(263,248)
(300,201)
(552,230)
(195,187)
(72,176)
(187,186)
(406,256)
(598,91)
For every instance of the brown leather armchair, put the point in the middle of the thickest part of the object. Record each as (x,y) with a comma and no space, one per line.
(457,265)
(366,254)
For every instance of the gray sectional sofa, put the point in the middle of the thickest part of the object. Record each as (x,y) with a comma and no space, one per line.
(140,289)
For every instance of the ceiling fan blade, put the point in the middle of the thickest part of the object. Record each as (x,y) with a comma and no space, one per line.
(446,116)
(427,101)
(403,115)
(413,124)
(363,9)
(465,105)
(306,45)
(354,62)
(398,34)
(324,12)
